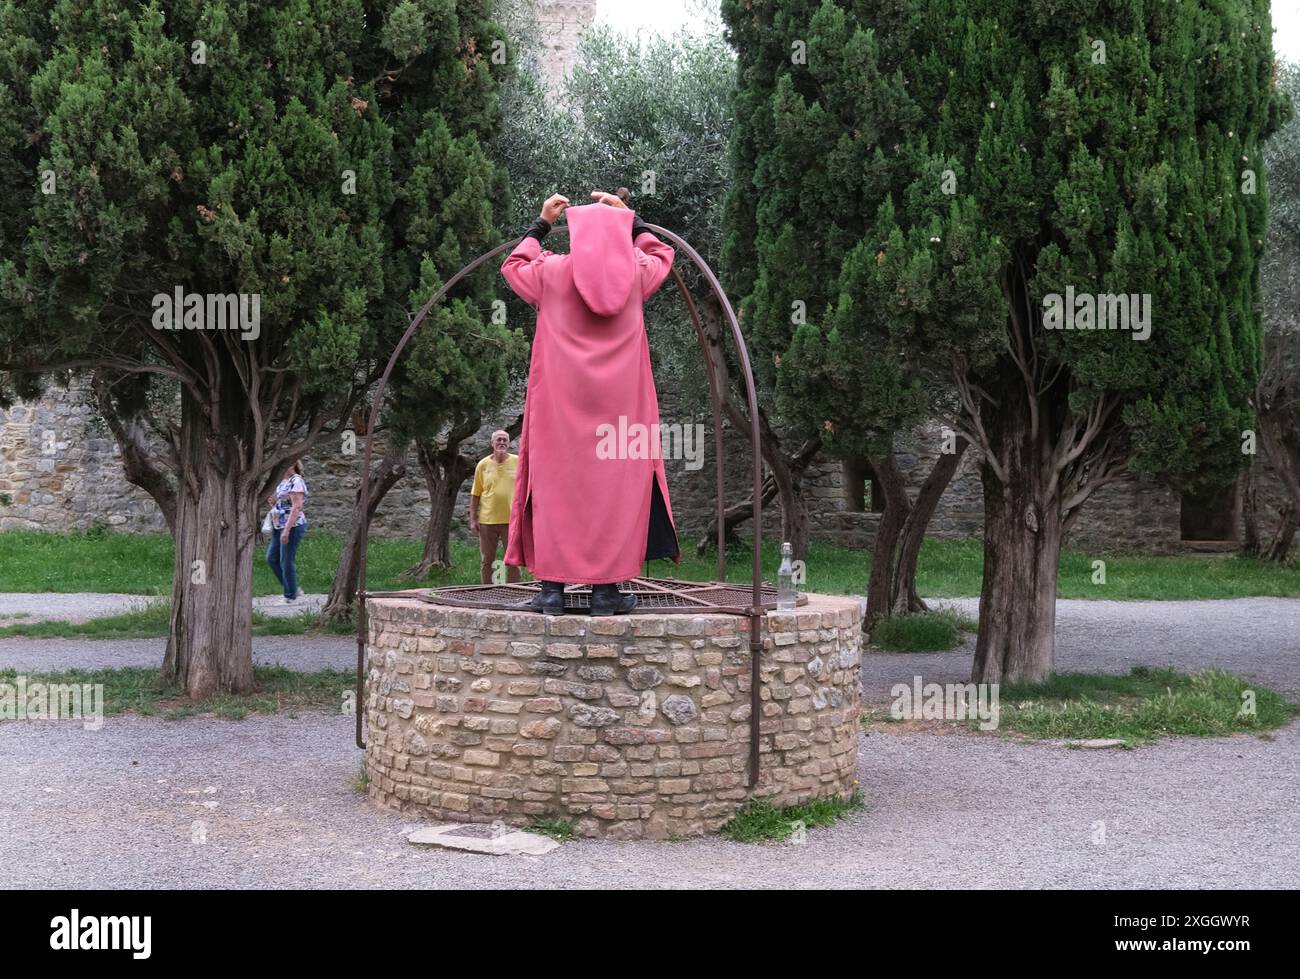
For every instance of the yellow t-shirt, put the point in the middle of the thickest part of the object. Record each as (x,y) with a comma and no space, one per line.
(494,484)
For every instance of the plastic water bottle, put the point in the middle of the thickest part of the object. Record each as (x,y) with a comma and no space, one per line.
(786,596)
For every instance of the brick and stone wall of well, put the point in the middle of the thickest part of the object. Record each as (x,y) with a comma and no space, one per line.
(630,727)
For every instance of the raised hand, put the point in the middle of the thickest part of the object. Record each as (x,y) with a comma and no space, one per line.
(613,200)
(554,207)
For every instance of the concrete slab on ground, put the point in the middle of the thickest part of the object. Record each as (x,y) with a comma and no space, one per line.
(480,838)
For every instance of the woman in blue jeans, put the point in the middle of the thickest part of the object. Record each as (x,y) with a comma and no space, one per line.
(288,524)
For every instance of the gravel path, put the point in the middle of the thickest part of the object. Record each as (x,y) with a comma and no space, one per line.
(117,808)
(18,607)
(303,653)
(1256,638)
(66,606)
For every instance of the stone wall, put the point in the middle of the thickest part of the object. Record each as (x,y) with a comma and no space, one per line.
(1130,516)
(631,727)
(60,470)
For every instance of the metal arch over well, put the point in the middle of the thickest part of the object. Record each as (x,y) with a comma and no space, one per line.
(756,609)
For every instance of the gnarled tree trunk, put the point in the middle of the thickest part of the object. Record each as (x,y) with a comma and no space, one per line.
(141,463)
(891,587)
(210,646)
(788,476)
(733,516)
(445,470)
(786,471)
(1023,528)
(1279,548)
(880,583)
(905,597)
(343,591)
(1279,434)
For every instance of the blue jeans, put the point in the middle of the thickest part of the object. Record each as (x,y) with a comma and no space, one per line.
(281,559)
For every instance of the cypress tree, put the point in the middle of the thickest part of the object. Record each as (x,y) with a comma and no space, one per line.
(1077,150)
(312,154)
(833,128)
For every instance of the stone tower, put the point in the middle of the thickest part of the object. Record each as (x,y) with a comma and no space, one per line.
(561,22)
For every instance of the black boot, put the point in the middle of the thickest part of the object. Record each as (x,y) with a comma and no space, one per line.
(608,600)
(549,601)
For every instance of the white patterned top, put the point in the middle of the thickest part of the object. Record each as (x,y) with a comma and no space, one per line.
(284,502)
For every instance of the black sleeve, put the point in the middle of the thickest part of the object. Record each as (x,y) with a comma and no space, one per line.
(539,229)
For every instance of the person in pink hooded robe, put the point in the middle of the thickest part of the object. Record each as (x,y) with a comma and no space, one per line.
(591,496)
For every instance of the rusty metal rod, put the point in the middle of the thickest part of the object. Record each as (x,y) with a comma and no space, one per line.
(364,532)
(756,609)
(715,397)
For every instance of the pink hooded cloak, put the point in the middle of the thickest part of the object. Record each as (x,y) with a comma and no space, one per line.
(582,513)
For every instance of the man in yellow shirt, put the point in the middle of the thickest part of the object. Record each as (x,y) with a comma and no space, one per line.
(489,504)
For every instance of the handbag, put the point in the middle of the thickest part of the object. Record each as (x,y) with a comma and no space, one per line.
(267,525)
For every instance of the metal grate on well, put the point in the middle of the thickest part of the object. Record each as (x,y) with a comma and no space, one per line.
(658,595)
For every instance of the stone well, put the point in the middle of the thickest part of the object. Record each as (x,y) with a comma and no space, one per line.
(630,726)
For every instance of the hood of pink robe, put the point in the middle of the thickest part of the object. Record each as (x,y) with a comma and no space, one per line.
(600,251)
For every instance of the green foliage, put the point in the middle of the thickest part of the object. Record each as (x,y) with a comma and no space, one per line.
(651,114)
(334,171)
(1278,397)
(323,156)
(817,146)
(759,821)
(361,780)
(917,178)
(921,631)
(556,828)
(1121,176)
(1280,271)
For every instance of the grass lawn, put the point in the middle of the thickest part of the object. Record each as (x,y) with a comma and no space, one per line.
(142,564)
(140,690)
(154,620)
(1139,707)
